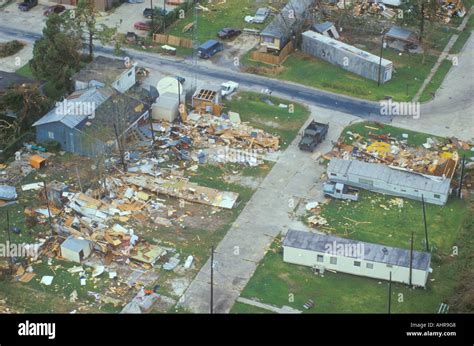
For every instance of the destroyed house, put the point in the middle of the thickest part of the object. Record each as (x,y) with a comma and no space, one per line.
(207,99)
(84,122)
(103,71)
(348,57)
(321,252)
(287,23)
(390,180)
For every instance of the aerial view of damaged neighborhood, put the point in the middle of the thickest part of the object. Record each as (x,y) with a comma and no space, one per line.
(236,156)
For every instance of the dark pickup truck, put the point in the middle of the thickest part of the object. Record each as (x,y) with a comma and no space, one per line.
(27,5)
(313,134)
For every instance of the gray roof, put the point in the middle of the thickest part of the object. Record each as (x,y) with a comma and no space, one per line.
(390,175)
(372,252)
(8,79)
(8,193)
(75,244)
(71,119)
(282,24)
(322,27)
(401,34)
(102,69)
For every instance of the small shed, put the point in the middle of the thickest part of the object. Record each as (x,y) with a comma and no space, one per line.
(327,29)
(76,249)
(166,107)
(37,161)
(207,99)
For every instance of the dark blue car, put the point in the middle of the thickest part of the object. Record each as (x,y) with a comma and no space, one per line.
(209,48)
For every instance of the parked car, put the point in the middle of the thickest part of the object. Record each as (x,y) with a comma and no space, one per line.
(261,15)
(228,33)
(27,5)
(209,48)
(141,26)
(54,9)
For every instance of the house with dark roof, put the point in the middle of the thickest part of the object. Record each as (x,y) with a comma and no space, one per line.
(103,71)
(321,252)
(286,24)
(83,123)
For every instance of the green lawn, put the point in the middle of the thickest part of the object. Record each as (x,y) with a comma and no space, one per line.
(25,71)
(222,14)
(436,81)
(408,78)
(284,122)
(444,222)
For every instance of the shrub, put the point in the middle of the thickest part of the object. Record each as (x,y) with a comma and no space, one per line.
(10,48)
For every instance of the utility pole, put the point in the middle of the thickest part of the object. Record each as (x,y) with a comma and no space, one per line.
(426,226)
(164,17)
(9,242)
(152,131)
(152,13)
(212,279)
(390,293)
(49,210)
(380,61)
(411,260)
(462,175)
(122,156)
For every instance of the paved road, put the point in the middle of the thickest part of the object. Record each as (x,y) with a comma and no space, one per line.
(360,108)
(451,113)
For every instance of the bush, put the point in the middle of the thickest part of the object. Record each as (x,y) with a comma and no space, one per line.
(10,48)
(10,149)
(52,145)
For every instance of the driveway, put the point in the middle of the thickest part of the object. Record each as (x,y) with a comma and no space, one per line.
(124,16)
(294,179)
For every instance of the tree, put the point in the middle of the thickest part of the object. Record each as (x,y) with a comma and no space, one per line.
(85,19)
(27,102)
(56,55)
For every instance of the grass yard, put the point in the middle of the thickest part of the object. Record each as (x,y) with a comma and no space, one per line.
(366,220)
(408,78)
(222,14)
(284,122)
(436,81)
(25,71)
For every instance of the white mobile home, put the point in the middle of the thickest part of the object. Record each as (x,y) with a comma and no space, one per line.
(390,180)
(356,257)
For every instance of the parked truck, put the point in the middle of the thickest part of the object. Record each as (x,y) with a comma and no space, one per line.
(340,191)
(229,87)
(314,134)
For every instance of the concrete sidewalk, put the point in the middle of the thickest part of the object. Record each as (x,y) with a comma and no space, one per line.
(294,179)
